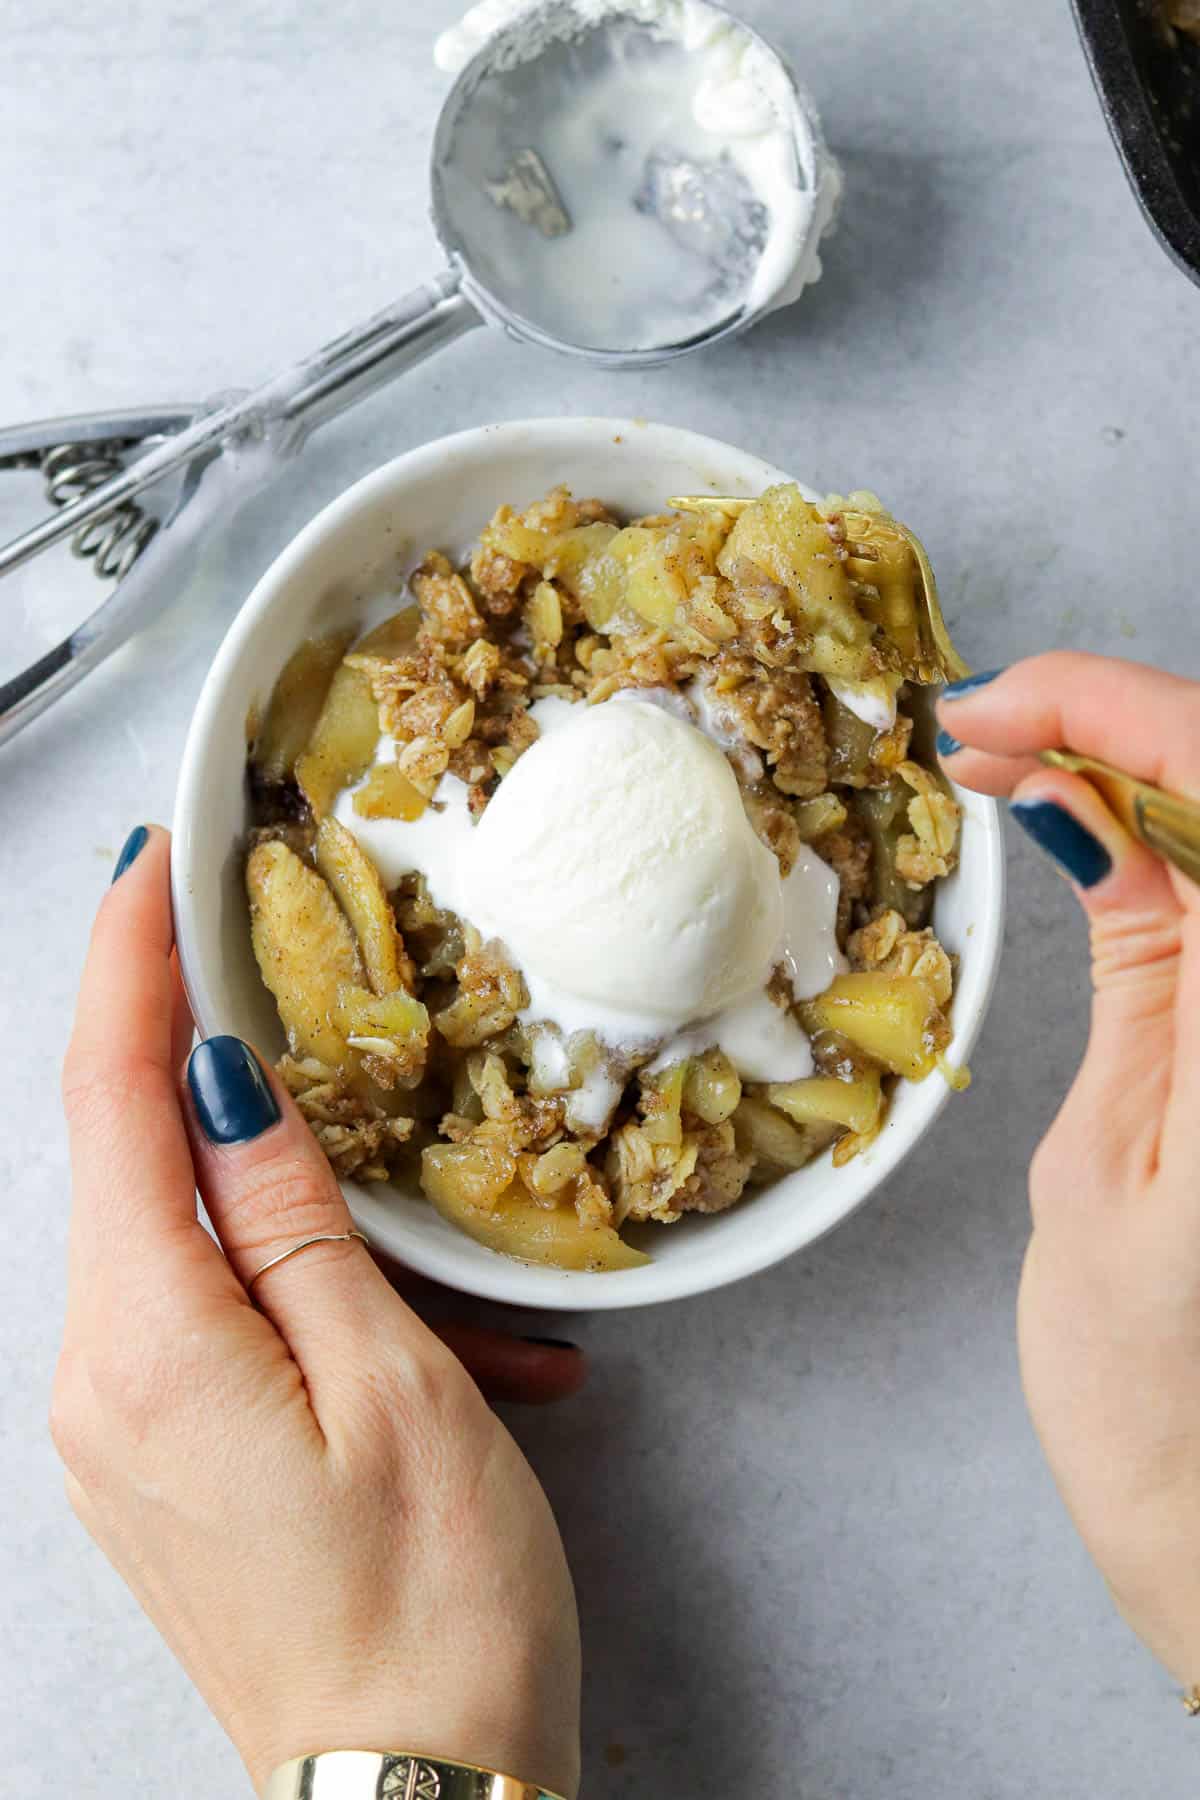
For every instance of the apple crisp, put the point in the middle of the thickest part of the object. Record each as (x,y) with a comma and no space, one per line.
(410,1051)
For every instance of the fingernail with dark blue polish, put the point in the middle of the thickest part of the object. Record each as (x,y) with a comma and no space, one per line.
(954,690)
(947,745)
(1063,838)
(549,1343)
(133,846)
(233,1100)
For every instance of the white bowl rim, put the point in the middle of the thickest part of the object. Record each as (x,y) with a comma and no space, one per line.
(506,1280)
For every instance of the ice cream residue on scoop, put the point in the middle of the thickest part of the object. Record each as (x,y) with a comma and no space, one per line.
(738,102)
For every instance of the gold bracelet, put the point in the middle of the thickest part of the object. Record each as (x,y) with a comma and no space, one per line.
(392,1775)
(1191,1702)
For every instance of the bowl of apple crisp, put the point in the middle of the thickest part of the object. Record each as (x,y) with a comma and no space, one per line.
(560,818)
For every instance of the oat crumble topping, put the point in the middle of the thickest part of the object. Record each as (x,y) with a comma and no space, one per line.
(407,1053)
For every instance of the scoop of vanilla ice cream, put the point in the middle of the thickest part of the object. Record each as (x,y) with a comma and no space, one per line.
(618,863)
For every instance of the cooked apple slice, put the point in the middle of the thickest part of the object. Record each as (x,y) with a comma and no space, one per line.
(462,1190)
(359,892)
(305,950)
(894,1018)
(387,793)
(776,1145)
(390,1031)
(343,742)
(711,1087)
(786,538)
(823,1099)
(295,705)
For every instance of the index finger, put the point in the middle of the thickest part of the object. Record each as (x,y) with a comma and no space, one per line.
(134,1186)
(1142,720)
(1146,722)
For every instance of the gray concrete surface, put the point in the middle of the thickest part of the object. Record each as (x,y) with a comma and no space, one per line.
(816,1549)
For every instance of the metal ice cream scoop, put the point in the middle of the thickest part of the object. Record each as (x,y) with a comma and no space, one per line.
(564,223)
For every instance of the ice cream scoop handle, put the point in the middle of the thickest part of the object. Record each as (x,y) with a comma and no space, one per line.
(283,410)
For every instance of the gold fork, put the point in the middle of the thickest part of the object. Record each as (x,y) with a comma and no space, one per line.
(1165,823)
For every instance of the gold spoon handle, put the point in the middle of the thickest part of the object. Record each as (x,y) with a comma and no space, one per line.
(1163,822)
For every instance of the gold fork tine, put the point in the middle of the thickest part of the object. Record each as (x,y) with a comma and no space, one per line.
(726,503)
(711,503)
(950,663)
(1167,824)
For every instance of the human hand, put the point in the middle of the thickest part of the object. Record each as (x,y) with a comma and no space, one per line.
(1109,1314)
(312,1501)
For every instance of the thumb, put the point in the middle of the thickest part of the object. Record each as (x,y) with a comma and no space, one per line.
(1135,923)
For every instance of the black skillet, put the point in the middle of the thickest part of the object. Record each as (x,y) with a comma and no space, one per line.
(1148,80)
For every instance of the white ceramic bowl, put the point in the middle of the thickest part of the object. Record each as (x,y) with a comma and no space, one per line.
(348,565)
